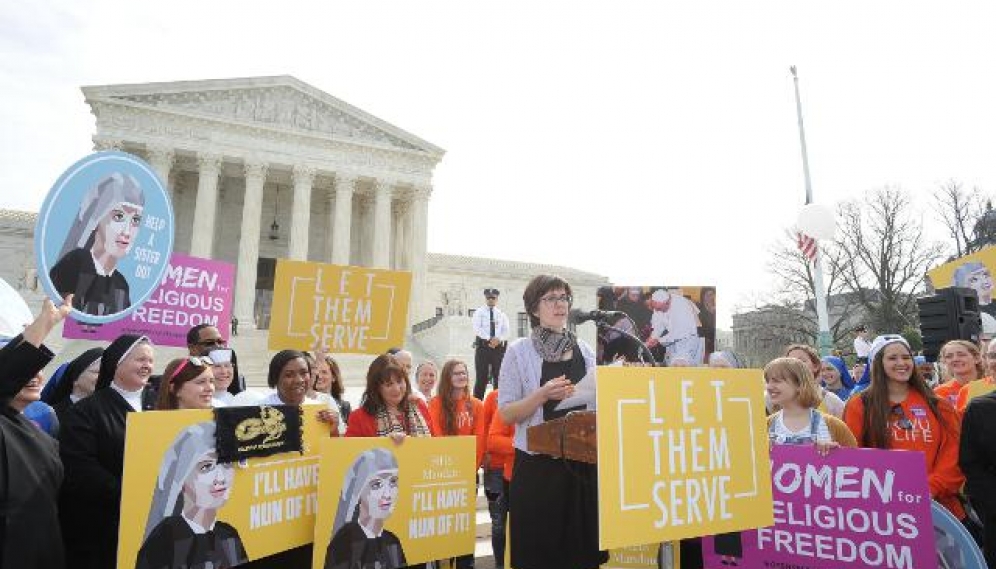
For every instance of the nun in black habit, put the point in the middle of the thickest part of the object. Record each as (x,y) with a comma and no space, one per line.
(30,471)
(67,391)
(92,447)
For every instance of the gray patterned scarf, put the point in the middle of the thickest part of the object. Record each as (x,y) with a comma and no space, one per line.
(553,345)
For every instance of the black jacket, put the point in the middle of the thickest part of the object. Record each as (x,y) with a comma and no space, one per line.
(92,441)
(30,471)
(977,455)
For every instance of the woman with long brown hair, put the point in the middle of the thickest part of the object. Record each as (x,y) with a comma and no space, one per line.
(455,412)
(899,411)
(387,408)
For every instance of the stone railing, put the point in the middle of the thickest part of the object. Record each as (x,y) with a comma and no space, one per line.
(426,324)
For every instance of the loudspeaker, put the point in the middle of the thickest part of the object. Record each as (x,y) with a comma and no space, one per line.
(951,314)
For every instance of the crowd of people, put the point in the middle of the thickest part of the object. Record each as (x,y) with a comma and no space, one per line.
(64,482)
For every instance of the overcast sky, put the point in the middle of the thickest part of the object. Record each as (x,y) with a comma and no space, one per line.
(644,141)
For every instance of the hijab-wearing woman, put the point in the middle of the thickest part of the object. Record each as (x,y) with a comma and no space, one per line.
(289,376)
(183,528)
(554,504)
(92,448)
(188,383)
(835,377)
(387,408)
(30,470)
(369,496)
(78,381)
(899,411)
(829,403)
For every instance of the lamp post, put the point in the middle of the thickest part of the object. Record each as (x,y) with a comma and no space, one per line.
(814,221)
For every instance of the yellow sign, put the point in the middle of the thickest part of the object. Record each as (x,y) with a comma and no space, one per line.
(971,271)
(174,484)
(649,556)
(682,452)
(418,500)
(342,309)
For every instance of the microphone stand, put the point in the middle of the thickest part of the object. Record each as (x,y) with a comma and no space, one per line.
(603,325)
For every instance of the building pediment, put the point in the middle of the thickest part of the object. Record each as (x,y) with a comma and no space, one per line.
(281,102)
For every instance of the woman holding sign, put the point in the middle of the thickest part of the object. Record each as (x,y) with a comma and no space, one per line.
(553,515)
(899,411)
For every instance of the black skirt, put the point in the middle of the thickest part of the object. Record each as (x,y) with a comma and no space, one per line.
(553,514)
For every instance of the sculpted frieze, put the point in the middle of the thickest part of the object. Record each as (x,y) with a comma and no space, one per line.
(281,106)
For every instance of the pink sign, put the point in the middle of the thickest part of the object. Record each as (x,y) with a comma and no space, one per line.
(857,508)
(193,291)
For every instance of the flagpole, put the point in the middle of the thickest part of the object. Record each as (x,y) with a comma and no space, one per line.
(822,319)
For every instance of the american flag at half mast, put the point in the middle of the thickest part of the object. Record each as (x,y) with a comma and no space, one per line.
(807,245)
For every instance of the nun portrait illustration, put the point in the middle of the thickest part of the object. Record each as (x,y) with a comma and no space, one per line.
(183,529)
(369,496)
(102,233)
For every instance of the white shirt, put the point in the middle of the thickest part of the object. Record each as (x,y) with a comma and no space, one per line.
(134,398)
(679,322)
(482,323)
(862,347)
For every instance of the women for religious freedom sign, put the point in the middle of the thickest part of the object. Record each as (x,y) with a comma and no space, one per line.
(105,235)
(339,308)
(682,452)
(859,508)
(192,291)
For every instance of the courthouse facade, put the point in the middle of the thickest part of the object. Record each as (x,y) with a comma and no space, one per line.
(270,167)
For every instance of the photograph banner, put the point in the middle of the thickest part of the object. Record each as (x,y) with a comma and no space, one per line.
(970,271)
(342,309)
(677,323)
(105,235)
(192,291)
(682,452)
(386,506)
(856,508)
(257,508)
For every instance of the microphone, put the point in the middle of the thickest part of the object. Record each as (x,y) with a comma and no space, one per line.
(579,316)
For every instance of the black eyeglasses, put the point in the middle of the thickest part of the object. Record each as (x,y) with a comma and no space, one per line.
(211,342)
(903,422)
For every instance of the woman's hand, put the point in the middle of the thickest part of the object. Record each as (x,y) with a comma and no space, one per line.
(397,437)
(824,448)
(558,389)
(329,417)
(49,317)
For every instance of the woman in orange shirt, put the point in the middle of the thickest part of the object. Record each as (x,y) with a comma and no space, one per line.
(498,472)
(898,411)
(963,361)
(454,412)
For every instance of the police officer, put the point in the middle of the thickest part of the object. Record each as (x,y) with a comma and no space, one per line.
(491,329)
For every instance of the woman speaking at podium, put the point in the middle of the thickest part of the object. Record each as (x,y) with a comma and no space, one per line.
(553,508)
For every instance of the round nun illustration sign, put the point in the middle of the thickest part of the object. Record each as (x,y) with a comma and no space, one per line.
(105,235)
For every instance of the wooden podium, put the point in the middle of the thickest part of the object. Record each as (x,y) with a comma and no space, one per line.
(572,436)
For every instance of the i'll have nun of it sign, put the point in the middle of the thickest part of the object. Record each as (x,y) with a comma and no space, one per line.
(682,452)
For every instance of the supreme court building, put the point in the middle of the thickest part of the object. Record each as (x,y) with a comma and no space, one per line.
(270,167)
